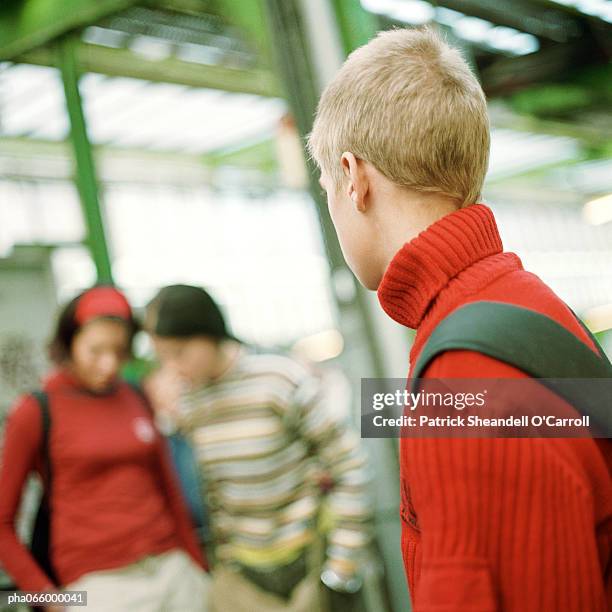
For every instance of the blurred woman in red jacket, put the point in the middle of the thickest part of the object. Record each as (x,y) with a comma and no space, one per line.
(119,528)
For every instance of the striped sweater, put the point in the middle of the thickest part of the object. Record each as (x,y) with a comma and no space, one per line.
(263,434)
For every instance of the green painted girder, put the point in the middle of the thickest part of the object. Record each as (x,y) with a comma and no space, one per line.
(85,178)
(261,155)
(555,62)
(356,25)
(250,17)
(27,24)
(25,147)
(124,63)
(586,88)
(543,18)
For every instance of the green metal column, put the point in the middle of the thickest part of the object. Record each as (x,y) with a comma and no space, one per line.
(356,25)
(293,61)
(309,49)
(85,176)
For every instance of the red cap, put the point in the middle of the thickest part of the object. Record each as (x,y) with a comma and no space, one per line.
(102,302)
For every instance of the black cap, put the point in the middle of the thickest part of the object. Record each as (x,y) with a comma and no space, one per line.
(180,311)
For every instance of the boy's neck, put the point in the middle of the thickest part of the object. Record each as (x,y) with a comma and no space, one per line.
(228,353)
(411,213)
(431,262)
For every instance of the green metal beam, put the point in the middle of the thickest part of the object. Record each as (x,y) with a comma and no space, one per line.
(249,16)
(86,181)
(39,160)
(27,24)
(294,64)
(546,19)
(302,94)
(553,63)
(260,155)
(357,26)
(286,28)
(124,63)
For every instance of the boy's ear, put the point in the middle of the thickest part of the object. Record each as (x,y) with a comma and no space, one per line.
(358,185)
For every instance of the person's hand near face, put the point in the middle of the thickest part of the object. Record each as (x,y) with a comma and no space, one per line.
(163,389)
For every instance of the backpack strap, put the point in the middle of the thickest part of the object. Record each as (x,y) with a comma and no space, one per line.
(41,534)
(529,341)
(45,414)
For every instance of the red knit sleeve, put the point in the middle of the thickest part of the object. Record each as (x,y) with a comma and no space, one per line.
(21,447)
(500,519)
(170,484)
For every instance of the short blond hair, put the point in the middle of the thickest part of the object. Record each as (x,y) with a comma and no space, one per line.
(408,104)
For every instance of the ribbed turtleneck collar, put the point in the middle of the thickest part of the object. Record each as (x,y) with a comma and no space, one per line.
(426,264)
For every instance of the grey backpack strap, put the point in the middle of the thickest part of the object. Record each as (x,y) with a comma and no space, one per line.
(531,342)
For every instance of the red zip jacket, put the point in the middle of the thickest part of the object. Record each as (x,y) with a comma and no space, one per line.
(494,525)
(114,496)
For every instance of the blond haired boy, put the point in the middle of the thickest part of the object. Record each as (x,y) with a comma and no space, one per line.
(520,525)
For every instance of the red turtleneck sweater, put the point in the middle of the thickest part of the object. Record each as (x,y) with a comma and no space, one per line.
(114,494)
(494,525)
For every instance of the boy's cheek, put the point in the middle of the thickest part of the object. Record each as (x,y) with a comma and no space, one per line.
(331,206)
(339,209)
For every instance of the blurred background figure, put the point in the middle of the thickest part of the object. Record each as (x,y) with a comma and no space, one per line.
(161,142)
(112,521)
(269,446)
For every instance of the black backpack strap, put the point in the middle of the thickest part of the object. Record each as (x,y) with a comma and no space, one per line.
(43,402)
(529,341)
(41,533)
